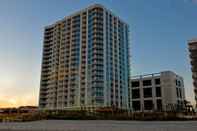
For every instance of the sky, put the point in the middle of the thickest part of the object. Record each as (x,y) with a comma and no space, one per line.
(159,31)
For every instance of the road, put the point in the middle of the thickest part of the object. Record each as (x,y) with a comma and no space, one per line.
(101,125)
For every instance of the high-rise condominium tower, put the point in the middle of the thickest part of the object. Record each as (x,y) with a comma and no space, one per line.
(85,61)
(193,57)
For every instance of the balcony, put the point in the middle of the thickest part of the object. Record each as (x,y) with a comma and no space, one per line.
(98,56)
(194,62)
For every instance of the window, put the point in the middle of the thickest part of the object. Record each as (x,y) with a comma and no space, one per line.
(136,105)
(99,101)
(177,92)
(158,91)
(180,93)
(147,92)
(148,105)
(135,84)
(159,105)
(157,81)
(178,83)
(147,83)
(135,93)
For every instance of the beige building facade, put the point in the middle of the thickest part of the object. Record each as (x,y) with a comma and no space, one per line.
(156,92)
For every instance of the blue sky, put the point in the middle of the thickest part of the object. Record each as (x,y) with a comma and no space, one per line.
(159,30)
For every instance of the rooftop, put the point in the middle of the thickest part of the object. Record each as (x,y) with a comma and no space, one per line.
(153,75)
(89,7)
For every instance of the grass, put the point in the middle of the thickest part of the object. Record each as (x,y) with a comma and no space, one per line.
(86,115)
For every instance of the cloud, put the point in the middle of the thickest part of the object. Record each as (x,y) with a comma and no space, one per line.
(4,103)
(16,90)
(15,101)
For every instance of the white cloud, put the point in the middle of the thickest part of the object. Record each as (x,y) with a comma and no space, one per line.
(15,101)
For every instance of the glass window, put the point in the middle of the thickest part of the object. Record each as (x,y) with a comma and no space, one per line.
(147,83)
(180,94)
(136,93)
(178,83)
(157,81)
(147,92)
(136,105)
(159,105)
(177,92)
(158,91)
(148,104)
(135,84)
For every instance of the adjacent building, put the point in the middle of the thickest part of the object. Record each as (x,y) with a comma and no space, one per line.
(193,57)
(156,92)
(85,61)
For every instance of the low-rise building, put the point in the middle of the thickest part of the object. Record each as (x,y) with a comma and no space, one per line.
(28,109)
(156,92)
(21,109)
